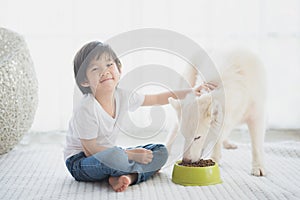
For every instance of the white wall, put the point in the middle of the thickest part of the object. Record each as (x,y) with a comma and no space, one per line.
(55,30)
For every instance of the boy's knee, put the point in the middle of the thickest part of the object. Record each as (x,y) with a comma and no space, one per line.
(162,153)
(162,149)
(115,158)
(109,153)
(165,152)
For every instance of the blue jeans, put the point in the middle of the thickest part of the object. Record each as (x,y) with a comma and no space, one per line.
(114,162)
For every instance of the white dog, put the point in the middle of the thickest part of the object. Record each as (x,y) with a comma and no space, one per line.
(240,98)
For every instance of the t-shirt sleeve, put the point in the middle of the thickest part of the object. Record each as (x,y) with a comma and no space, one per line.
(85,124)
(135,101)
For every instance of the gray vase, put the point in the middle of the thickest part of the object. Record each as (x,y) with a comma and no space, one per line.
(18,89)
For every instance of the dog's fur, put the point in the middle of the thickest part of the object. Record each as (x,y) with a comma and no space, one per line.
(239,98)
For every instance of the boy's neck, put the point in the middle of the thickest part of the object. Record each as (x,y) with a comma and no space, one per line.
(107,102)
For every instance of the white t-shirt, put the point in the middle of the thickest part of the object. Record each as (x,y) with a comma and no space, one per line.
(91,121)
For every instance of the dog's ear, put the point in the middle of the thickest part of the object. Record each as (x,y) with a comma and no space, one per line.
(174,103)
(210,108)
(215,111)
(204,102)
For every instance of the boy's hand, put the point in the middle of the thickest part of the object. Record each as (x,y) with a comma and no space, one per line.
(206,87)
(140,155)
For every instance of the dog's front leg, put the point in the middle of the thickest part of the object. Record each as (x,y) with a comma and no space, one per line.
(216,154)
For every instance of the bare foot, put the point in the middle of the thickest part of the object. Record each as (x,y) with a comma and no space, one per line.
(121,183)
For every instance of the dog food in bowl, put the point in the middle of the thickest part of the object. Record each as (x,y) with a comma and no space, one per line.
(200,163)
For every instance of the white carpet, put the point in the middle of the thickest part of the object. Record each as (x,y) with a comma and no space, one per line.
(37,171)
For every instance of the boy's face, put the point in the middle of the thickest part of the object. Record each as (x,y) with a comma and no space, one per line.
(102,75)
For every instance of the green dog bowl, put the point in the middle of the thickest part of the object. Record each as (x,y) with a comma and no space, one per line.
(196,176)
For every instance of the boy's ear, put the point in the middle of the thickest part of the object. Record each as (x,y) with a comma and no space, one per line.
(174,103)
(85,84)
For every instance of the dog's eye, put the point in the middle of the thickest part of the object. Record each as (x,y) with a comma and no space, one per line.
(196,138)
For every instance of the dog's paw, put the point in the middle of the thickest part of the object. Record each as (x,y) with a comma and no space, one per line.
(258,171)
(229,145)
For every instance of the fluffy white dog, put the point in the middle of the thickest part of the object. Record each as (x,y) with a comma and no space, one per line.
(207,121)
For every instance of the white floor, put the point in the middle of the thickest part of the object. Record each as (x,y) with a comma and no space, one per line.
(35,170)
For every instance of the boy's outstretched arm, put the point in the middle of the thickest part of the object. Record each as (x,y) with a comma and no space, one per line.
(162,98)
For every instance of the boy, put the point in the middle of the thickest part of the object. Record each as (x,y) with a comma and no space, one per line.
(90,152)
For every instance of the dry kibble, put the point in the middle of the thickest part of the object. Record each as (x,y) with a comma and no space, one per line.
(200,163)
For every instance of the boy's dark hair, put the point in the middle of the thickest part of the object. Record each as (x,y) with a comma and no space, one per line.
(90,51)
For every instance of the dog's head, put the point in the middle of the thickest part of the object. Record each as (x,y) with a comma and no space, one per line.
(198,118)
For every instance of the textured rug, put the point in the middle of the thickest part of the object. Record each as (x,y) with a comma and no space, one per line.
(37,171)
